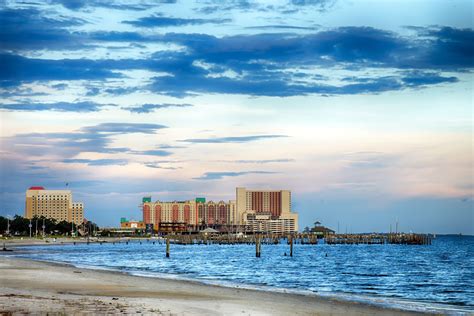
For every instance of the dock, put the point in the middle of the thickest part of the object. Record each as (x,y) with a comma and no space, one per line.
(379,239)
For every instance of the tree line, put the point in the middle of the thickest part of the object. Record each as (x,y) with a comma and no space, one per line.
(19,226)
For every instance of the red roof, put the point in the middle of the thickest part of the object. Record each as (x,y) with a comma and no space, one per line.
(36,188)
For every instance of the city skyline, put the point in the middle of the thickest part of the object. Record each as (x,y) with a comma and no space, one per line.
(362,109)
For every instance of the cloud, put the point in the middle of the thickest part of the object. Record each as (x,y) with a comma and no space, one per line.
(97,139)
(121,90)
(322,5)
(446,48)
(19,91)
(153,152)
(59,86)
(147,108)
(162,21)
(288,27)
(18,174)
(82,4)
(17,69)
(155,165)
(260,61)
(231,139)
(226,5)
(369,160)
(97,162)
(165,146)
(420,79)
(123,128)
(29,29)
(85,106)
(275,64)
(263,161)
(220,175)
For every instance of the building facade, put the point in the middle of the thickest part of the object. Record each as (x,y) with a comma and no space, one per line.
(132,224)
(181,214)
(55,204)
(220,213)
(266,210)
(159,212)
(253,211)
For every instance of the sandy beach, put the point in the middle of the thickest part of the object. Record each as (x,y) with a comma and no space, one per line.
(31,287)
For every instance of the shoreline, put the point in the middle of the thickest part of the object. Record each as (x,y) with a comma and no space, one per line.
(37,287)
(393,304)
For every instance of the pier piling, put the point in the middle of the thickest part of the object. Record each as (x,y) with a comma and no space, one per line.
(291,246)
(257,247)
(167,247)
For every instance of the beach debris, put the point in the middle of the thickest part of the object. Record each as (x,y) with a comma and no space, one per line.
(5,248)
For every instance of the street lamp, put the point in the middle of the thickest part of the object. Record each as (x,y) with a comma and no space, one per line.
(29,225)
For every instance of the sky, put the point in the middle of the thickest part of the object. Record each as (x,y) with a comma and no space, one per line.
(363,109)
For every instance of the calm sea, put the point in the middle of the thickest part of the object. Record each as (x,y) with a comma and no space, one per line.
(435,278)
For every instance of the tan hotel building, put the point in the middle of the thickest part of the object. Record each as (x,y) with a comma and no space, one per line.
(56,204)
(266,210)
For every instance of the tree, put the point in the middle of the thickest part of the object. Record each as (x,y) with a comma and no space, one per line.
(63,227)
(3,224)
(19,225)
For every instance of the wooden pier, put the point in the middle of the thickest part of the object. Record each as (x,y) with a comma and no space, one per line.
(275,239)
(378,239)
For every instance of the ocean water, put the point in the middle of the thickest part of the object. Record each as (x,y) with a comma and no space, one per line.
(432,278)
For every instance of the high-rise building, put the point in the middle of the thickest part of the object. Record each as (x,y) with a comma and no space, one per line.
(253,210)
(55,204)
(266,210)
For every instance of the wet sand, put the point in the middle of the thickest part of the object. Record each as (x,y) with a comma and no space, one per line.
(31,287)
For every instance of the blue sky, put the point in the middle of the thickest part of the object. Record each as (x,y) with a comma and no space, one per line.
(362,108)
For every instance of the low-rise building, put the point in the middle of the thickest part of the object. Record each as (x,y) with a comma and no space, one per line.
(178,215)
(133,224)
(321,231)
